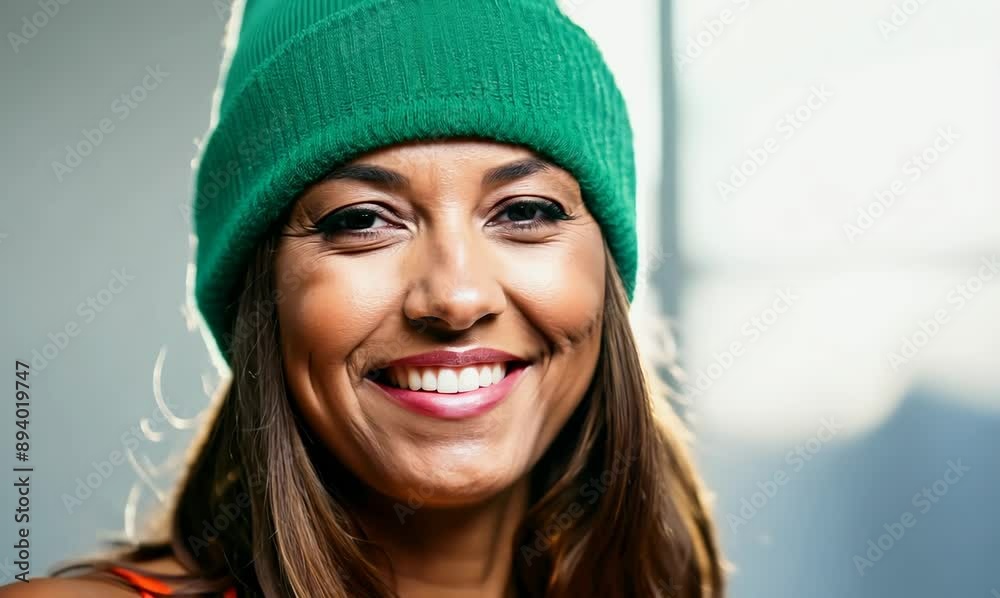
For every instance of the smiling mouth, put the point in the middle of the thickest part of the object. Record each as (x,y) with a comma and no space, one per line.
(445,380)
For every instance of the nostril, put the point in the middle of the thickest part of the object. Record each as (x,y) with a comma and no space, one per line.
(423,323)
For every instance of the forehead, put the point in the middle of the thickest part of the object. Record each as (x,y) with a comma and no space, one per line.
(445,151)
(433,165)
(440,160)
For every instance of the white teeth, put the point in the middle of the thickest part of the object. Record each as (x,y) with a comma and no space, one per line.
(428,381)
(468,379)
(413,379)
(447,380)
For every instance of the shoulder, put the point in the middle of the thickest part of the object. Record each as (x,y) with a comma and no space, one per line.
(64,588)
(84,586)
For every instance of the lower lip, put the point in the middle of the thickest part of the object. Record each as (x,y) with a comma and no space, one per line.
(458,405)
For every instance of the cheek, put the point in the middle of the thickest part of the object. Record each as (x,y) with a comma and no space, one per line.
(560,291)
(560,286)
(328,306)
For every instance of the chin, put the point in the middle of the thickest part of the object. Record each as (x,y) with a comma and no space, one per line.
(450,477)
(447,463)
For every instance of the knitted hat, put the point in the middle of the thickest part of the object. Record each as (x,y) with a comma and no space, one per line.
(308,84)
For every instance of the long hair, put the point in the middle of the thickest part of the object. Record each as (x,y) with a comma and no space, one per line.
(616,507)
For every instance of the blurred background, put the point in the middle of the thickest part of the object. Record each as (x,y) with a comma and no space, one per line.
(821,222)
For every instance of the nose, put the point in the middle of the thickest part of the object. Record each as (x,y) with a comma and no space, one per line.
(454,282)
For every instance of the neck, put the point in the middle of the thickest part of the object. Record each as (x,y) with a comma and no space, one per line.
(449,552)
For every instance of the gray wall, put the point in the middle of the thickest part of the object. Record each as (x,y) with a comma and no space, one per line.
(67,234)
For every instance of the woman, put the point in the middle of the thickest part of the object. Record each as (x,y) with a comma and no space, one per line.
(416,253)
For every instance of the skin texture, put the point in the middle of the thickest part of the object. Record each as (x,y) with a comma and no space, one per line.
(450,266)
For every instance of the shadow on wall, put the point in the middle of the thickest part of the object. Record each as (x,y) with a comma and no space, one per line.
(909,510)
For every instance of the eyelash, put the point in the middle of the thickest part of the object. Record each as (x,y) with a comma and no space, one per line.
(328,225)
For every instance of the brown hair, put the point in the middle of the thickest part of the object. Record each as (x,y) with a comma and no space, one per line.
(265,507)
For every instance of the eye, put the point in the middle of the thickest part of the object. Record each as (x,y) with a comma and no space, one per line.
(531,213)
(355,221)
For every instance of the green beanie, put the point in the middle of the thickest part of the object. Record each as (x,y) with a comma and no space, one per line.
(309,84)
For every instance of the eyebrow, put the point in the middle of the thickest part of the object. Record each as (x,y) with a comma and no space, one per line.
(368,173)
(384,177)
(514,171)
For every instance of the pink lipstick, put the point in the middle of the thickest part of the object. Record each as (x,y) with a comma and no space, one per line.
(426,383)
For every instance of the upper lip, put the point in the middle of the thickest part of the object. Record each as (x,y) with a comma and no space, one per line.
(456,358)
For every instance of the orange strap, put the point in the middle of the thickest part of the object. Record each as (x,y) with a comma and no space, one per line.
(145,585)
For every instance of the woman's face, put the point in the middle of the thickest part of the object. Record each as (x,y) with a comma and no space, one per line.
(450,246)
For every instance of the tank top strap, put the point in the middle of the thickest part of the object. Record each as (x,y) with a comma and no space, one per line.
(148,585)
(144,584)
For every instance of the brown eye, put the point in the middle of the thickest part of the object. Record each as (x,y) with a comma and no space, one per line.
(531,213)
(353,220)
